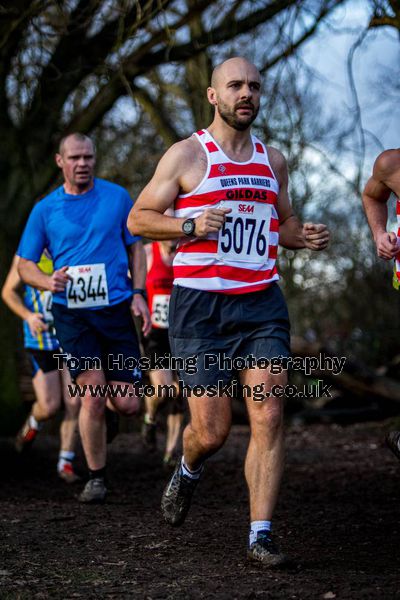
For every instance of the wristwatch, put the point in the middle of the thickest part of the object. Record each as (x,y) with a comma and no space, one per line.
(140,291)
(188,226)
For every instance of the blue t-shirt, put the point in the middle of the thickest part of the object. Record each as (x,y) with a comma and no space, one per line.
(83,230)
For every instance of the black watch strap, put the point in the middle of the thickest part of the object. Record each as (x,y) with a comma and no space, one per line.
(188,227)
(140,291)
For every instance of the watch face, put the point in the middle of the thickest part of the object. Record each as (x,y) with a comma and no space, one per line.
(188,227)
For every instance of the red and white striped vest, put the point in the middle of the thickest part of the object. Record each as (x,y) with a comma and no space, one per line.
(241,258)
(397,267)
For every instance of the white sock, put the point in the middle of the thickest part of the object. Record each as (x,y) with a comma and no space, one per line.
(255,527)
(65,456)
(188,473)
(34,424)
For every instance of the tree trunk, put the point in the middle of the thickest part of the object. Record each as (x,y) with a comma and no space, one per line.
(10,351)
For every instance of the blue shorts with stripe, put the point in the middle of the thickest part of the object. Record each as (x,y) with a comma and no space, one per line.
(43,360)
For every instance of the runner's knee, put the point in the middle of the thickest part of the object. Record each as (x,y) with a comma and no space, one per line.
(212,440)
(268,419)
(127,406)
(93,406)
(49,407)
(72,406)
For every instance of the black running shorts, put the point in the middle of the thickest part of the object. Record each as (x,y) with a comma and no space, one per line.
(156,344)
(247,326)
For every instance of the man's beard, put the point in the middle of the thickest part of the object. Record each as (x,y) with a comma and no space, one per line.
(233,120)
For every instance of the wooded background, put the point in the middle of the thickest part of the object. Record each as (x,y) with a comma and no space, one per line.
(133,75)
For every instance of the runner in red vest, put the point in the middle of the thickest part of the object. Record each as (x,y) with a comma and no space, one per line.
(384,180)
(159,286)
(230,195)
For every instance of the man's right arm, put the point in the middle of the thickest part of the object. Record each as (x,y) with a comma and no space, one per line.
(374,198)
(32,275)
(10,295)
(33,242)
(147,215)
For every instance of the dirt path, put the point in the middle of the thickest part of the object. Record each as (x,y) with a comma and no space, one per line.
(338,517)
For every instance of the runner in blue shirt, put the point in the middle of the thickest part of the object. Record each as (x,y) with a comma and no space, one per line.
(83,226)
(49,383)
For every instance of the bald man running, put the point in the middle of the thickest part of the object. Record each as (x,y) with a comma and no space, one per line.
(230,196)
(385,179)
(83,225)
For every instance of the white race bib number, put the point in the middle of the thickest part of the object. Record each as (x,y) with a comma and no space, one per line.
(244,236)
(160,310)
(46,298)
(88,287)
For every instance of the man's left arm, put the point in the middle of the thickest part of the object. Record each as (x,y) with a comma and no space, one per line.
(137,266)
(292,233)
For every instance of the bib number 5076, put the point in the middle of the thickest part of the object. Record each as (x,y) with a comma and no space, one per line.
(244,236)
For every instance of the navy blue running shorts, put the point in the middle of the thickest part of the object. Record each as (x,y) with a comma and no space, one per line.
(104,336)
(210,326)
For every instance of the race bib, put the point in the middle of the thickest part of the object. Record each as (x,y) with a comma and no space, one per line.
(160,310)
(46,298)
(88,287)
(244,236)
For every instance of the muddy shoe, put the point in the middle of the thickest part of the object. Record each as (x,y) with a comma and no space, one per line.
(393,442)
(67,473)
(112,424)
(25,437)
(177,496)
(149,434)
(264,550)
(94,492)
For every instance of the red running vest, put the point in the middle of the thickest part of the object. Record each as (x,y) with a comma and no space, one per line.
(397,261)
(241,258)
(158,286)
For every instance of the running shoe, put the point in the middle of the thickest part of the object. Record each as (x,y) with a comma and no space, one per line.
(149,434)
(25,437)
(393,442)
(177,496)
(94,492)
(265,550)
(67,473)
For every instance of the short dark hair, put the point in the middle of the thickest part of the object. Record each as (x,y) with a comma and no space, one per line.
(81,137)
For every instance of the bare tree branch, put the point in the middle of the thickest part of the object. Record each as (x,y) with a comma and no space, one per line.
(293,46)
(385,21)
(132,68)
(14,20)
(157,114)
(77,55)
(381,16)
